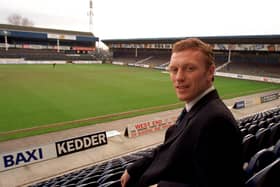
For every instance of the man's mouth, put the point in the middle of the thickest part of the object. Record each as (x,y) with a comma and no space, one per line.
(182,87)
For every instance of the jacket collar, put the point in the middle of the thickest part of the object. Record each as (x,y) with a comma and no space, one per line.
(194,101)
(202,102)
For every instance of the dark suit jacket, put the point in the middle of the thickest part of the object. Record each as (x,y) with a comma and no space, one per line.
(203,150)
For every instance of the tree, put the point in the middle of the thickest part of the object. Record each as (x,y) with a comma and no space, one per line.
(16,19)
(26,22)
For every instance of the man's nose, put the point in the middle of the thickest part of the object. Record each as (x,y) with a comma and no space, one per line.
(180,75)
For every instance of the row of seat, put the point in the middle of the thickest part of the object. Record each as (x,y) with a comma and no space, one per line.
(256,147)
(263,168)
(107,174)
(261,148)
(265,117)
(102,175)
(263,138)
(262,158)
(267,177)
(259,131)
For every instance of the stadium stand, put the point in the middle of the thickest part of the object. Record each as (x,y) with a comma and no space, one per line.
(263,162)
(253,68)
(250,55)
(33,43)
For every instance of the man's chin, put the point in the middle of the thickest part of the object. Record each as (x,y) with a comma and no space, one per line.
(182,98)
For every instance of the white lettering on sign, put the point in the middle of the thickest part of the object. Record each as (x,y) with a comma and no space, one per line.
(81,143)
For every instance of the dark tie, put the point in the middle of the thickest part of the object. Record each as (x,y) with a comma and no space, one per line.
(181,116)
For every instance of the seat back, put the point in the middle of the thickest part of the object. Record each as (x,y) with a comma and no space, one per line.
(267,177)
(243,131)
(249,146)
(275,133)
(277,149)
(262,124)
(110,177)
(116,183)
(253,129)
(259,161)
(262,136)
(89,184)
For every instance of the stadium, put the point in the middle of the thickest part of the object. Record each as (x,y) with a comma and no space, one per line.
(75,116)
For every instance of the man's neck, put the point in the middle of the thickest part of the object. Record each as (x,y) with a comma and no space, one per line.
(190,104)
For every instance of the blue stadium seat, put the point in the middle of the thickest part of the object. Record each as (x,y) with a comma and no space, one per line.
(267,177)
(271,125)
(253,129)
(247,125)
(262,124)
(277,149)
(90,184)
(89,179)
(276,118)
(259,161)
(243,131)
(116,183)
(68,185)
(114,170)
(262,136)
(270,119)
(110,177)
(72,180)
(275,133)
(249,146)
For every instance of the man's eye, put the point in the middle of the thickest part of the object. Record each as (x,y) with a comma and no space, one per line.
(190,68)
(173,70)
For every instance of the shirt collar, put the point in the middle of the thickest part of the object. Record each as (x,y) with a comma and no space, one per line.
(190,104)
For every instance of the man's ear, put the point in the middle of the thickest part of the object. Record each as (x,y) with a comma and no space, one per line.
(211,72)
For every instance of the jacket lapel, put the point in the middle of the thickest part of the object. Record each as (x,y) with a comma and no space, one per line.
(183,125)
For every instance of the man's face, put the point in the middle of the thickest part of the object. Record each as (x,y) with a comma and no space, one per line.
(189,74)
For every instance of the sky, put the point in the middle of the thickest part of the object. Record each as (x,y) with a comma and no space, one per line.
(128,19)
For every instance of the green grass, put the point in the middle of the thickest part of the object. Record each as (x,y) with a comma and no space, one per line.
(230,88)
(37,95)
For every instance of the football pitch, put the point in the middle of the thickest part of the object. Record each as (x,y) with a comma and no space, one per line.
(73,95)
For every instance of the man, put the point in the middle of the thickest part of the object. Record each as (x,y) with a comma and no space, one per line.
(204,147)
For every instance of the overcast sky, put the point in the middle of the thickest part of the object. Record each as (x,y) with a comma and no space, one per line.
(115,19)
